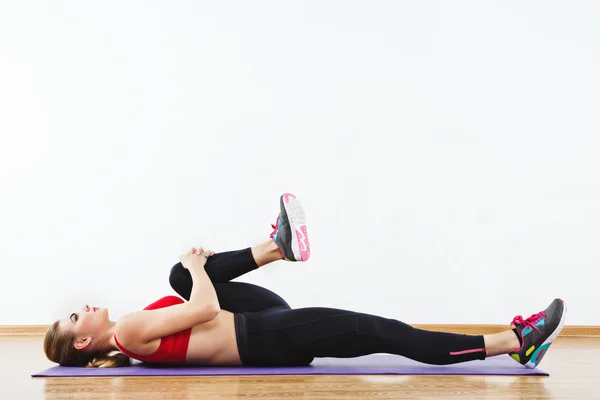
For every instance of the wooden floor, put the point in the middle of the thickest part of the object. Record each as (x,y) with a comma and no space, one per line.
(573,364)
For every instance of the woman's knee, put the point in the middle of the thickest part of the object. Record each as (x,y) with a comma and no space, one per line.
(181,281)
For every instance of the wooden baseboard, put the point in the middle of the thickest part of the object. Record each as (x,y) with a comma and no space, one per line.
(568,331)
(23,330)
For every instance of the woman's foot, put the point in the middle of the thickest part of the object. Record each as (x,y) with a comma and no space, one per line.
(290,233)
(537,332)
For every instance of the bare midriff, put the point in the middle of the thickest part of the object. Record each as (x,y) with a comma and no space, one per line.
(214,342)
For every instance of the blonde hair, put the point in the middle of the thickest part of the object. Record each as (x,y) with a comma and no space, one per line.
(58,346)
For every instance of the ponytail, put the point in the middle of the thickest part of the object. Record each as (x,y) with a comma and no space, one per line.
(110,361)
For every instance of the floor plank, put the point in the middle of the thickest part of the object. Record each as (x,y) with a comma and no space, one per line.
(573,364)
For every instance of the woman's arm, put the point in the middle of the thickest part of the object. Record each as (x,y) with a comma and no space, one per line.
(202,307)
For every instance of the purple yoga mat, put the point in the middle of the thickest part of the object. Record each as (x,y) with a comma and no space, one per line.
(366,365)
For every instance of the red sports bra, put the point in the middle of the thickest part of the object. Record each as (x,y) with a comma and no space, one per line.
(172,348)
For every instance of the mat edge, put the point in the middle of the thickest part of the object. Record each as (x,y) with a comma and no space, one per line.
(538,373)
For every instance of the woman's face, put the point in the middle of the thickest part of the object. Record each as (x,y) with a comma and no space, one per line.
(89,322)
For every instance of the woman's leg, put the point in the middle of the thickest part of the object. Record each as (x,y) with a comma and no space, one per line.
(295,337)
(222,267)
(226,266)
(289,241)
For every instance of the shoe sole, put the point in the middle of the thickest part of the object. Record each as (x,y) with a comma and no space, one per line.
(297,221)
(550,339)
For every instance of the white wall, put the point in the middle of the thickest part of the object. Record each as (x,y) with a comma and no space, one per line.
(446,152)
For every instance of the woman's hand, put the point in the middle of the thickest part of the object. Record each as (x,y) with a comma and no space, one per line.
(195,258)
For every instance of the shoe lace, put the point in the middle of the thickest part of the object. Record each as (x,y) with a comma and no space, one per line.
(274,228)
(518,320)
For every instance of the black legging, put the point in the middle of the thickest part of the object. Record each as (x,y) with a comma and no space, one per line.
(271,333)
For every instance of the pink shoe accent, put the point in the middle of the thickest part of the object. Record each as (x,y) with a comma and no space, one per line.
(303,243)
(286,197)
(540,355)
(518,320)
(529,322)
(459,353)
(274,228)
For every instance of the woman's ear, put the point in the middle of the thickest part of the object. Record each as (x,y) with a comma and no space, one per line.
(82,343)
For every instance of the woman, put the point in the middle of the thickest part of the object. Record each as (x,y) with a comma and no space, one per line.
(232,323)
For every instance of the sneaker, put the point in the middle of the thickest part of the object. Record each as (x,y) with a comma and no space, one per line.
(290,233)
(537,332)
